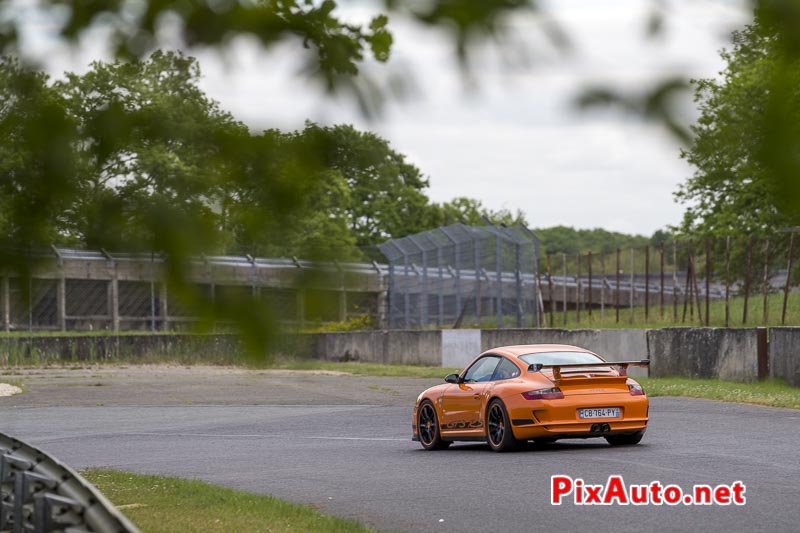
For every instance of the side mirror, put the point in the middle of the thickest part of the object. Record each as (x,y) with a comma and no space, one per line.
(452,378)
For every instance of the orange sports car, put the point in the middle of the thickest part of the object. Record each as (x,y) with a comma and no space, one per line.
(539,392)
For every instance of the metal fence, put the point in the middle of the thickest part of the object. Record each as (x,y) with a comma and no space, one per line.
(92,290)
(454,276)
(39,494)
(720,282)
(462,275)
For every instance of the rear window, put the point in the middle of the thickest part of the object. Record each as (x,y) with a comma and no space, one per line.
(560,358)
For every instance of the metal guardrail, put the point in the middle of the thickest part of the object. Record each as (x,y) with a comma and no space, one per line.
(40,494)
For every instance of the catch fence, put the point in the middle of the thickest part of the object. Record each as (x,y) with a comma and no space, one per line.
(463,276)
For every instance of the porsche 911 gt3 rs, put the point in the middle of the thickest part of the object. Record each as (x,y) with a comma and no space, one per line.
(539,392)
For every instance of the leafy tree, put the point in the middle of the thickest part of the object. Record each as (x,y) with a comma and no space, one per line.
(472,212)
(151,143)
(37,161)
(387,196)
(732,191)
(563,239)
(290,169)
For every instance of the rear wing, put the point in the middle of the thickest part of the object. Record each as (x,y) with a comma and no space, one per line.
(623,366)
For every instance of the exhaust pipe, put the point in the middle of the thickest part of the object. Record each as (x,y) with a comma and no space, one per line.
(595,428)
(605,427)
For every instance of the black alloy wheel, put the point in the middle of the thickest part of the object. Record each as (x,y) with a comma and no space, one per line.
(499,434)
(428,428)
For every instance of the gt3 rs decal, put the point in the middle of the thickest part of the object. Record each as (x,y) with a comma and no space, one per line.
(462,425)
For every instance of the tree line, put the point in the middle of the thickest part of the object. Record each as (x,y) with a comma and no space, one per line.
(146,161)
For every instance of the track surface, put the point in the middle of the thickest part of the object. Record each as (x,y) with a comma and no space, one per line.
(357,460)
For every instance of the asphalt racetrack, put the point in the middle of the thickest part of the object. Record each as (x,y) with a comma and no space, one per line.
(342,444)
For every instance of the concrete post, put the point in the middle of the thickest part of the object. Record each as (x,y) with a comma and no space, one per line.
(114,286)
(301,307)
(162,306)
(6,305)
(61,303)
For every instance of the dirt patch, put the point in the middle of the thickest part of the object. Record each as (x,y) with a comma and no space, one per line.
(205,385)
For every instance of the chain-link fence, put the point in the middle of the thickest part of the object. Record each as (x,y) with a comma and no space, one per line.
(726,282)
(460,275)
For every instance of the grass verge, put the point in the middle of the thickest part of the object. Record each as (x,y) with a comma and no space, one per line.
(167,504)
(769,393)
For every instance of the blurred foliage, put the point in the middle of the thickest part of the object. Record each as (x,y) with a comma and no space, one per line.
(132,156)
(656,103)
(732,191)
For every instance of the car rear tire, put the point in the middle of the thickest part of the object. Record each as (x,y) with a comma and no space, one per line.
(428,428)
(498,428)
(625,440)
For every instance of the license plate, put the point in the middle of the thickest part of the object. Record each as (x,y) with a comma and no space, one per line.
(600,412)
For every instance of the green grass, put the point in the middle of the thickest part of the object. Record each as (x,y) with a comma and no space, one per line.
(769,393)
(755,314)
(156,504)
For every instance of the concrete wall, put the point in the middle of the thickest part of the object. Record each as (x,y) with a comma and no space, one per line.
(37,350)
(784,354)
(738,354)
(460,346)
(724,353)
(393,347)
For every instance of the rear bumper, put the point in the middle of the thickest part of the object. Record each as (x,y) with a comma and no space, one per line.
(559,418)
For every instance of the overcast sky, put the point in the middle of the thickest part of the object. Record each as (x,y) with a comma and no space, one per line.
(516,141)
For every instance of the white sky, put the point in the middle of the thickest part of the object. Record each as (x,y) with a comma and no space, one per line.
(515,141)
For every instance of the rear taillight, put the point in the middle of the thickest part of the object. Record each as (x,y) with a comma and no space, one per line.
(544,394)
(635,389)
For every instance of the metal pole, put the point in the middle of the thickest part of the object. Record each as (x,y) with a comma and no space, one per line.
(674,280)
(6,305)
(518,280)
(727,283)
(478,287)
(499,280)
(577,288)
(537,291)
(765,314)
(390,296)
(603,287)
(708,289)
(696,290)
(647,283)
(152,293)
(457,282)
(616,296)
(457,265)
(439,261)
(661,282)
(788,278)
(550,287)
(406,304)
(424,295)
(632,280)
(537,252)
(564,287)
(687,292)
(747,278)
(590,284)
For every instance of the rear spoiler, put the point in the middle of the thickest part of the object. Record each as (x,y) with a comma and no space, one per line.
(623,366)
